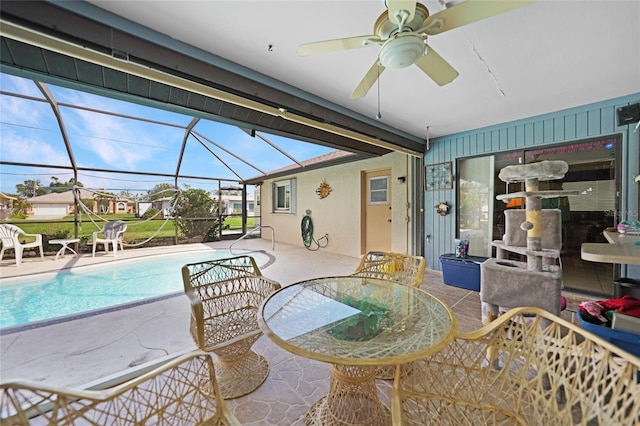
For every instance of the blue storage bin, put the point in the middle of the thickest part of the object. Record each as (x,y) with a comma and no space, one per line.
(630,342)
(461,272)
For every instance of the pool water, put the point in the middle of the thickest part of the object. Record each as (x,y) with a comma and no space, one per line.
(49,296)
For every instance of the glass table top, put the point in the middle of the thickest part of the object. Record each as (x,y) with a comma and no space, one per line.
(357,321)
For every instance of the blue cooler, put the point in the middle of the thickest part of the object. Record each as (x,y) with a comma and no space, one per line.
(461,272)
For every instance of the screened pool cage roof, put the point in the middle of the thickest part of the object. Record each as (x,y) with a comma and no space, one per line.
(114,145)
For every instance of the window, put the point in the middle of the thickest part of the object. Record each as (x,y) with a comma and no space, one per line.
(284,196)
(378,190)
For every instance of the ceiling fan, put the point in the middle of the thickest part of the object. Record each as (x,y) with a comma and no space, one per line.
(401,32)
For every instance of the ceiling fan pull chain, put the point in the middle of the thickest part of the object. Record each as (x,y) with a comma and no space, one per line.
(378,115)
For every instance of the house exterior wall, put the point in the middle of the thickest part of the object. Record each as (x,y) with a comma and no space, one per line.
(570,125)
(339,214)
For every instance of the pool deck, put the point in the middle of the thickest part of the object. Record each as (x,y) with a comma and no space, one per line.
(81,352)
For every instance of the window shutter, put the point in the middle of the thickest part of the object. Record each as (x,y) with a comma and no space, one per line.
(294,191)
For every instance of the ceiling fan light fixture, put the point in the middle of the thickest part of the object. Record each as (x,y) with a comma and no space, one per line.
(401,51)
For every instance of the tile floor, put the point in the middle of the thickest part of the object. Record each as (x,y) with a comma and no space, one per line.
(81,352)
(588,277)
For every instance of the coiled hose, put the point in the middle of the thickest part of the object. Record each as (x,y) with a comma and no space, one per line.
(307,235)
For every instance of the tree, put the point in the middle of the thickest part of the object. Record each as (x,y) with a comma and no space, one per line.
(57,186)
(161,190)
(125,193)
(31,188)
(197,214)
(104,198)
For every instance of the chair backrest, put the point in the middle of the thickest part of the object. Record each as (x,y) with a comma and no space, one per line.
(112,228)
(223,292)
(218,270)
(527,367)
(399,267)
(182,391)
(8,234)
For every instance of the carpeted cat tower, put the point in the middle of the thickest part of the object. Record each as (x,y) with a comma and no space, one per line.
(534,233)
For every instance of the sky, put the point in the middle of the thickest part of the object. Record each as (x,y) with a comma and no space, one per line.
(30,133)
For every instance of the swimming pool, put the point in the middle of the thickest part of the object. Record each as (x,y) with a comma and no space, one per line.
(43,299)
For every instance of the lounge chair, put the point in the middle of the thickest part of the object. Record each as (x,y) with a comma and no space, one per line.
(112,233)
(10,236)
(225,296)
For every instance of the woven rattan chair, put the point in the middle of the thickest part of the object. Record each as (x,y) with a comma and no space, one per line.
(516,371)
(399,267)
(10,237)
(225,296)
(181,392)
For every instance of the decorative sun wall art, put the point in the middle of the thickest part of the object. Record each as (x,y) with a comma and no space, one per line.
(323,190)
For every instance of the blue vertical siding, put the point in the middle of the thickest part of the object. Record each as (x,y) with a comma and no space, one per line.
(570,125)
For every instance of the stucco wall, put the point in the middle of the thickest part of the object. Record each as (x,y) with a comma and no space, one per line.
(339,214)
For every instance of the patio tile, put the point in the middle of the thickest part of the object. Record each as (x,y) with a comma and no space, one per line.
(83,351)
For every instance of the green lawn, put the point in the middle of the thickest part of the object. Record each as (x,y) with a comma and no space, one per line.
(137,229)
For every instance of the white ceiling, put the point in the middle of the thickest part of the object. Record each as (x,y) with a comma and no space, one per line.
(546,56)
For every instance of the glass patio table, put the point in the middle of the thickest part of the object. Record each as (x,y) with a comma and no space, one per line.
(355,324)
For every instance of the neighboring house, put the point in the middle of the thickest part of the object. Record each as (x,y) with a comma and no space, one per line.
(60,204)
(165,205)
(6,206)
(232,204)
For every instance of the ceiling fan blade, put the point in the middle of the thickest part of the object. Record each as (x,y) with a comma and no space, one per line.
(468,12)
(368,80)
(335,45)
(395,6)
(436,67)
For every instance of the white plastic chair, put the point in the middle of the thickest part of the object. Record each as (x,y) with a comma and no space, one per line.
(10,236)
(112,233)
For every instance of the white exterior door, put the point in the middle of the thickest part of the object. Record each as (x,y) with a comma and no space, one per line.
(378,211)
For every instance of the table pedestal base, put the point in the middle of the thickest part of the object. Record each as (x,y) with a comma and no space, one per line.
(65,246)
(352,400)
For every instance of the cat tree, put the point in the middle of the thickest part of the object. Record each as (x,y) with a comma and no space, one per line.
(534,233)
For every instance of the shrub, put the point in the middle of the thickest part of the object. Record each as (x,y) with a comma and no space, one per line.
(198,215)
(18,215)
(151,212)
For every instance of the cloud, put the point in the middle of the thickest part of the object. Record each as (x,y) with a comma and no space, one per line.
(12,111)
(20,148)
(114,141)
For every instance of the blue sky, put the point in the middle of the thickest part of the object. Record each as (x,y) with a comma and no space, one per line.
(29,133)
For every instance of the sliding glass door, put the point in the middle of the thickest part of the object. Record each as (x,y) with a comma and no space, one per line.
(592,172)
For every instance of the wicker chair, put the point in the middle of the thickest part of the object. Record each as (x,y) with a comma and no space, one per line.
(10,237)
(399,267)
(225,296)
(181,392)
(516,371)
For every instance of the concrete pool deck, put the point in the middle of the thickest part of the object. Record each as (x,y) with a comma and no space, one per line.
(77,352)
(84,351)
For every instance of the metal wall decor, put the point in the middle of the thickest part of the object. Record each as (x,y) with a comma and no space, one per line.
(323,190)
(438,176)
(442,208)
